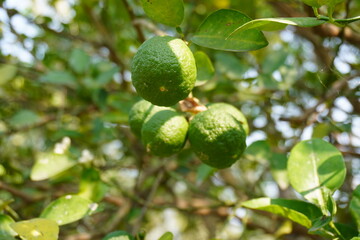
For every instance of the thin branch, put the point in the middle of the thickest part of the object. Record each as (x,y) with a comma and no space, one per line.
(17,193)
(137,27)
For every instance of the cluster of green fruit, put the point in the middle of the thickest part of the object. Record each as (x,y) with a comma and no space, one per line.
(163,73)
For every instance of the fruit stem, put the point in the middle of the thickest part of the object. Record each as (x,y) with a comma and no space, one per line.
(192,105)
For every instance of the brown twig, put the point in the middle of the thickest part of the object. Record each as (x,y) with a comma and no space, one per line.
(17,193)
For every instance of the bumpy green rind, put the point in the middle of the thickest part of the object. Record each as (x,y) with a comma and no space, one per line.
(234,112)
(163,70)
(137,115)
(217,137)
(164,132)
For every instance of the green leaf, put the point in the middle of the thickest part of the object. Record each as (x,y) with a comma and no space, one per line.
(278,164)
(49,164)
(168,12)
(321,130)
(355,238)
(68,209)
(7,73)
(203,172)
(91,186)
(167,236)
(79,60)
(6,232)
(37,229)
(216,32)
(273,61)
(205,69)
(118,235)
(355,206)
(229,65)
(298,211)
(275,24)
(315,166)
(59,78)
(24,118)
(258,151)
(319,3)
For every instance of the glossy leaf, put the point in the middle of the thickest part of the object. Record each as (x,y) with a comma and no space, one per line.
(215,32)
(6,232)
(205,69)
(355,206)
(315,166)
(275,24)
(37,229)
(168,12)
(50,164)
(7,73)
(118,235)
(298,211)
(167,236)
(68,209)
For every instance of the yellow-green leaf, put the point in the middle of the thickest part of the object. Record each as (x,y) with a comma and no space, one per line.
(37,229)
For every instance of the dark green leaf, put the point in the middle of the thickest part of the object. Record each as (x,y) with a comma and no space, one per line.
(319,223)
(319,3)
(68,209)
(205,69)
(168,12)
(315,166)
(258,151)
(167,236)
(215,32)
(37,229)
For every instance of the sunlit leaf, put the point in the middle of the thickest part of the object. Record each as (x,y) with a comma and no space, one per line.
(68,209)
(167,236)
(298,211)
(319,3)
(37,229)
(315,166)
(215,32)
(50,164)
(168,12)
(275,24)
(205,69)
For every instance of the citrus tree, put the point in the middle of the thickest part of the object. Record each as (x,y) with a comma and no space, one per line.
(172,119)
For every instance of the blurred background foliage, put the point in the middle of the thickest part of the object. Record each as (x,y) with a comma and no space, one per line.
(65,93)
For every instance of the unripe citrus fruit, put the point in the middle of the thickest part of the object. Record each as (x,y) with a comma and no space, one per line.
(217,137)
(137,115)
(164,131)
(163,70)
(236,113)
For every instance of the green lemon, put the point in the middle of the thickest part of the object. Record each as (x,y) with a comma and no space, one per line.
(137,115)
(217,137)
(163,70)
(164,132)
(236,113)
